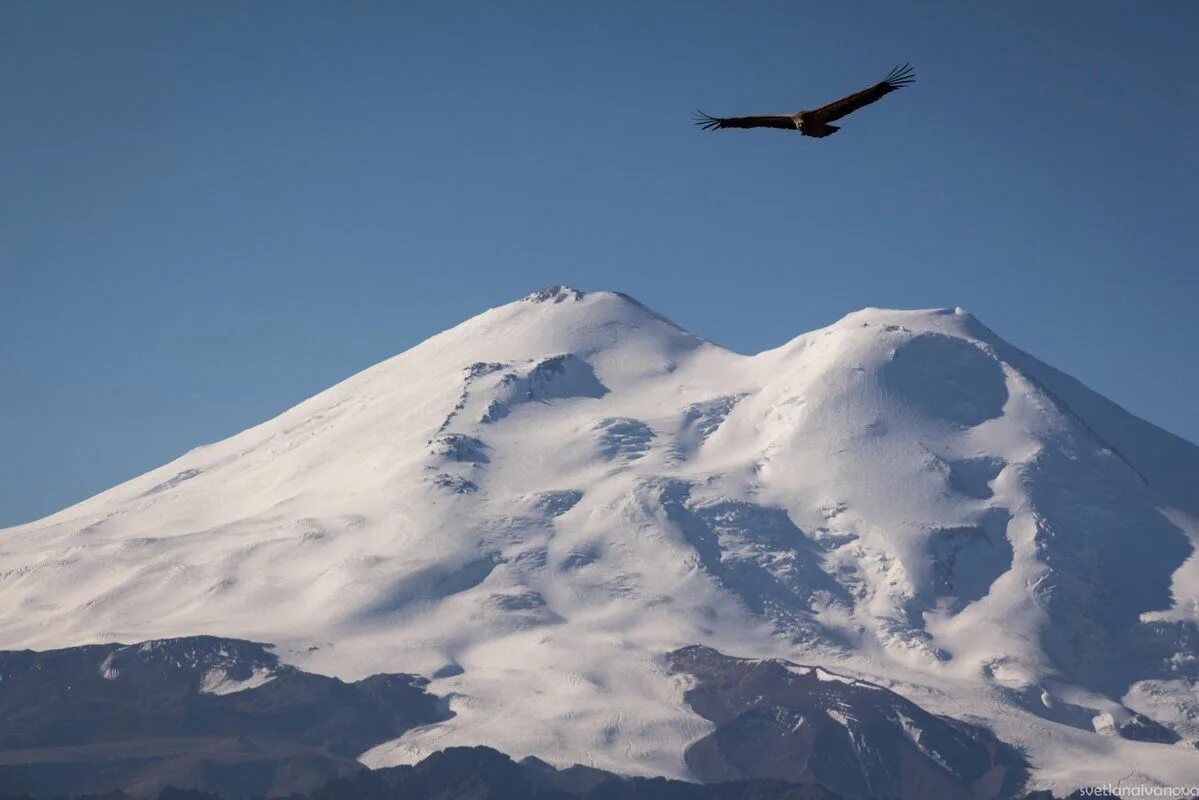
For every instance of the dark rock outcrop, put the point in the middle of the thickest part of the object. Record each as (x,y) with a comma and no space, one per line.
(777,720)
(199,712)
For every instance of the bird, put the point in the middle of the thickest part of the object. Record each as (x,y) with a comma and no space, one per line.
(815,123)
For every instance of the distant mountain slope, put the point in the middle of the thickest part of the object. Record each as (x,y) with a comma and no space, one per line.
(201,712)
(535,507)
(480,773)
(223,715)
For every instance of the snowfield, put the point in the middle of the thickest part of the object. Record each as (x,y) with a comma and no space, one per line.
(536,506)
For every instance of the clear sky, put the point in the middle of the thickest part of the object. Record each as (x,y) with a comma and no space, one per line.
(212,210)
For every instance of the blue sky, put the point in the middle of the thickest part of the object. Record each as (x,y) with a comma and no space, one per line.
(212,210)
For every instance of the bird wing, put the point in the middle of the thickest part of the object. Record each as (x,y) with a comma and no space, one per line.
(718,123)
(896,79)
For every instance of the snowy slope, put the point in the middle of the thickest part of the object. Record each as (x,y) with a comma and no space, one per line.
(536,506)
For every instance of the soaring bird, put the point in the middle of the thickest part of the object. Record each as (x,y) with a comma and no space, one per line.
(815,122)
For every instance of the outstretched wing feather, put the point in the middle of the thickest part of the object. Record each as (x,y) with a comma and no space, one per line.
(896,79)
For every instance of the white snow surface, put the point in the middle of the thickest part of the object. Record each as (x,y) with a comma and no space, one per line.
(218,681)
(557,492)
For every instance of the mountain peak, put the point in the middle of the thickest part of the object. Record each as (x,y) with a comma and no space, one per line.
(617,303)
(558,293)
(560,319)
(948,320)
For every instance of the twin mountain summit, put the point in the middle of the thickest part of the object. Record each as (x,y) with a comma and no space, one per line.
(894,557)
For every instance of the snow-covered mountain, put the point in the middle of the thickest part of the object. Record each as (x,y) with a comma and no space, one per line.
(537,506)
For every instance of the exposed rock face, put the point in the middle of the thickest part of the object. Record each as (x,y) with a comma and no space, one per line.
(480,773)
(775,719)
(467,773)
(198,712)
